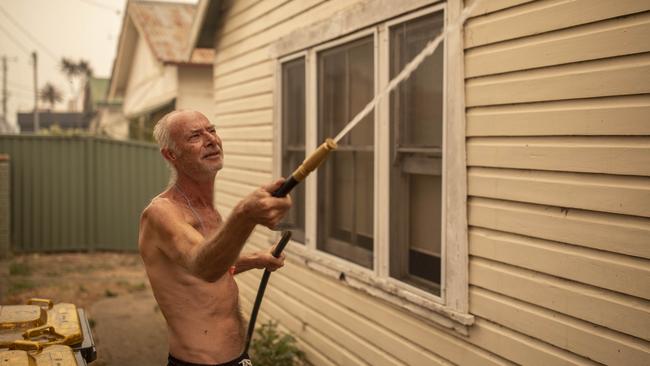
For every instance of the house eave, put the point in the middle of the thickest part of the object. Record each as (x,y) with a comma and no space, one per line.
(201,27)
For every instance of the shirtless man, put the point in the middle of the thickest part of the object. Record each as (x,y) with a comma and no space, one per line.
(191,254)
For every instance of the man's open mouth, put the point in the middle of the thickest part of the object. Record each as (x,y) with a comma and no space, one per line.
(211,155)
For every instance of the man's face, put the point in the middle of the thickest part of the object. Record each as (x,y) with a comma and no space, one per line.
(198,149)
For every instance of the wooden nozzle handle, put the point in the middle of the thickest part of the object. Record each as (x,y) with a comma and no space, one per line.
(314,160)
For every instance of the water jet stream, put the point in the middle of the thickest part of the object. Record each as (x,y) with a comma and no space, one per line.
(428,50)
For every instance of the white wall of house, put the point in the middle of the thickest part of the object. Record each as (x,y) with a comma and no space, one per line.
(113,123)
(558,155)
(195,89)
(151,84)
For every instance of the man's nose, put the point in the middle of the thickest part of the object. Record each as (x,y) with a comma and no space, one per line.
(210,139)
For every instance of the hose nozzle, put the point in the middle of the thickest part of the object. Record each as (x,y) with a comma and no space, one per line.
(314,160)
(310,164)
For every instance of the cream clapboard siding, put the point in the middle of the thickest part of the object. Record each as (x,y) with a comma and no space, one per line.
(558,153)
(558,125)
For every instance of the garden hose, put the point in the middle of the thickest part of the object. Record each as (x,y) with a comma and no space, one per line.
(309,165)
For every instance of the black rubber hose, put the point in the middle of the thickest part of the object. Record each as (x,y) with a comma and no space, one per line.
(286,235)
(286,187)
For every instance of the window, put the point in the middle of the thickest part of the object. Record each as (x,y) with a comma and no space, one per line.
(141,127)
(345,186)
(416,119)
(377,210)
(293,139)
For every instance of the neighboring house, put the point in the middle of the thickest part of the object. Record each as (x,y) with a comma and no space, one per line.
(6,126)
(150,75)
(96,106)
(47,119)
(494,211)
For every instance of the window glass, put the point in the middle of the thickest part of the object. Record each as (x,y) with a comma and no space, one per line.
(416,117)
(293,139)
(345,181)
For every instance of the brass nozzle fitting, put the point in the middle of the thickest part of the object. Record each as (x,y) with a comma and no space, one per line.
(314,160)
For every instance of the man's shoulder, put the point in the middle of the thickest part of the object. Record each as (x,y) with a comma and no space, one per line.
(159,210)
(158,221)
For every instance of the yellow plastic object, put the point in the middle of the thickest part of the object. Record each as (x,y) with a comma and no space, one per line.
(17,355)
(15,319)
(47,324)
(16,358)
(56,355)
(21,316)
(26,345)
(64,320)
(35,301)
(45,334)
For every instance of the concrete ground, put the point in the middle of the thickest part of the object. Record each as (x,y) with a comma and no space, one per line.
(129,331)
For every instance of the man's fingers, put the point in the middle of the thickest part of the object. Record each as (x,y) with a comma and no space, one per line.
(287,200)
(274,186)
(272,263)
(267,210)
(275,263)
(274,216)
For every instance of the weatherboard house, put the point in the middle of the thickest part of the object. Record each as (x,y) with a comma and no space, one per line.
(150,74)
(494,210)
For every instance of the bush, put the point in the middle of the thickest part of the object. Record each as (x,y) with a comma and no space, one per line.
(271,348)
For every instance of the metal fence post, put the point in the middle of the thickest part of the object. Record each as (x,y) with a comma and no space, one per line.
(5,207)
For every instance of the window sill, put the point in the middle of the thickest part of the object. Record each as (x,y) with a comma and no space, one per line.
(396,293)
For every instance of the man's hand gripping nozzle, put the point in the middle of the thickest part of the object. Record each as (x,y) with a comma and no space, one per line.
(310,164)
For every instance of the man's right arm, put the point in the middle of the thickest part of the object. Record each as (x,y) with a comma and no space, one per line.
(210,259)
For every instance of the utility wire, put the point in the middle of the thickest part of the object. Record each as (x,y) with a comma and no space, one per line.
(29,35)
(17,42)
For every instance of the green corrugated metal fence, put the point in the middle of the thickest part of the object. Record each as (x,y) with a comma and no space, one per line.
(79,193)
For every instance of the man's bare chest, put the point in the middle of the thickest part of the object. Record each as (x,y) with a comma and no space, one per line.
(206,221)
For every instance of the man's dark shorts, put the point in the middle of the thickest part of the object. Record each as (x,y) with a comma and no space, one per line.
(242,360)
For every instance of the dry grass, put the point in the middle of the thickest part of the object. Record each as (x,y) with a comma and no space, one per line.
(77,278)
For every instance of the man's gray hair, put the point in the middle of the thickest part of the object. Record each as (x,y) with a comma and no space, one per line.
(162,136)
(161,132)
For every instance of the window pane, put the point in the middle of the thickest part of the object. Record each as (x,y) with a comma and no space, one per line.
(424,224)
(345,182)
(418,100)
(416,180)
(293,139)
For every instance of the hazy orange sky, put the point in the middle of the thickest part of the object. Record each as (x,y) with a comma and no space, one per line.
(76,29)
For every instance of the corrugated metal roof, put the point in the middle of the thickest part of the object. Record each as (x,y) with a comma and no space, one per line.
(166,27)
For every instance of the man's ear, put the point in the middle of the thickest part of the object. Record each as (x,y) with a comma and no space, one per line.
(168,154)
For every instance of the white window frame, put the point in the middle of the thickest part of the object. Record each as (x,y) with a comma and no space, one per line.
(450,309)
(277,124)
